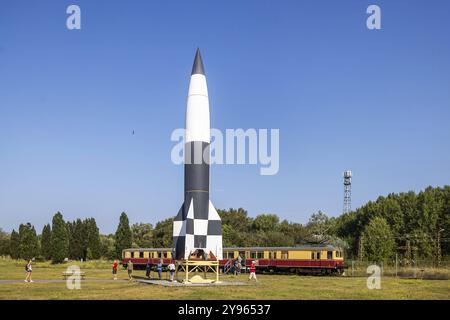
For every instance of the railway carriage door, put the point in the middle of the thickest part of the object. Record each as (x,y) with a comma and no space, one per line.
(272,255)
(247,256)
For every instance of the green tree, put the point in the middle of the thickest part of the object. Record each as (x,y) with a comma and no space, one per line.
(107,248)
(78,239)
(163,234)
(236,219)
(296,231)
(28,242)
(93,239)
(14,244)
(142,235)
(46,242)
(123,237)
(276,239)
(60,239)
(4,243)
(236,227)
(379,244)
(266,222)
(320,227)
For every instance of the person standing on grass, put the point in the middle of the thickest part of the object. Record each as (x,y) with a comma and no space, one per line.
(252,272)
(172,271)
(130,270)
(159,269)
(236,267)
(148,268)
(114,271)
(239,258)
(29,270)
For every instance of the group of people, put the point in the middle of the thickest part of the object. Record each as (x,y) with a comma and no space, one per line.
(148,269)
(171,268)
(238,268)
(159,269)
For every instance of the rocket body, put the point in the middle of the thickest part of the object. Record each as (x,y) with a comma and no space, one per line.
(197,224)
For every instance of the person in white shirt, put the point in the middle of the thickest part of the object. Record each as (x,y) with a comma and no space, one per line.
(172,271)
(29,270)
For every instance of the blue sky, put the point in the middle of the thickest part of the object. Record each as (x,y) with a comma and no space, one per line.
(343,97)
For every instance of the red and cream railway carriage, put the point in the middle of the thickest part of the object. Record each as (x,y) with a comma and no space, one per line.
(325,259)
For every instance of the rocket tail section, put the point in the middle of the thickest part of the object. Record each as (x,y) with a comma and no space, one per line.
(190,234)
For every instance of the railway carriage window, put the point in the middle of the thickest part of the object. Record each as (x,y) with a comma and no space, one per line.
(318,255)
(272,255)
(253,255)
(312,255)
(141,254)
(260,255)
(284,255)
(329,255)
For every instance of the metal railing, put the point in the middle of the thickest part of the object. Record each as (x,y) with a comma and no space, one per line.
(414,269)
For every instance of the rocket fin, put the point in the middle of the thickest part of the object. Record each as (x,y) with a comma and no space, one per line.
(179,224)
(179,234)
(212,213)
(214,237)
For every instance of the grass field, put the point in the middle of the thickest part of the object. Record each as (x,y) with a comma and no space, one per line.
(268,287)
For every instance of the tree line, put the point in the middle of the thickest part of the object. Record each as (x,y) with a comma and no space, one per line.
(411,225)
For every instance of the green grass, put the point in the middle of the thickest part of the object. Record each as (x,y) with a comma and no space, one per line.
(268,287)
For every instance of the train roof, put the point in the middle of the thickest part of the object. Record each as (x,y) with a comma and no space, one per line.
(303,247)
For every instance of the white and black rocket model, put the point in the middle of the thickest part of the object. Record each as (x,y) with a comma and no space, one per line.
(197,224)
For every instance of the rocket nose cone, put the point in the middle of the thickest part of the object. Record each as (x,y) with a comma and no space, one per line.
(198,68)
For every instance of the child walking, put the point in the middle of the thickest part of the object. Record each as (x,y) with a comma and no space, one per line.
(114,270)
(252,272)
